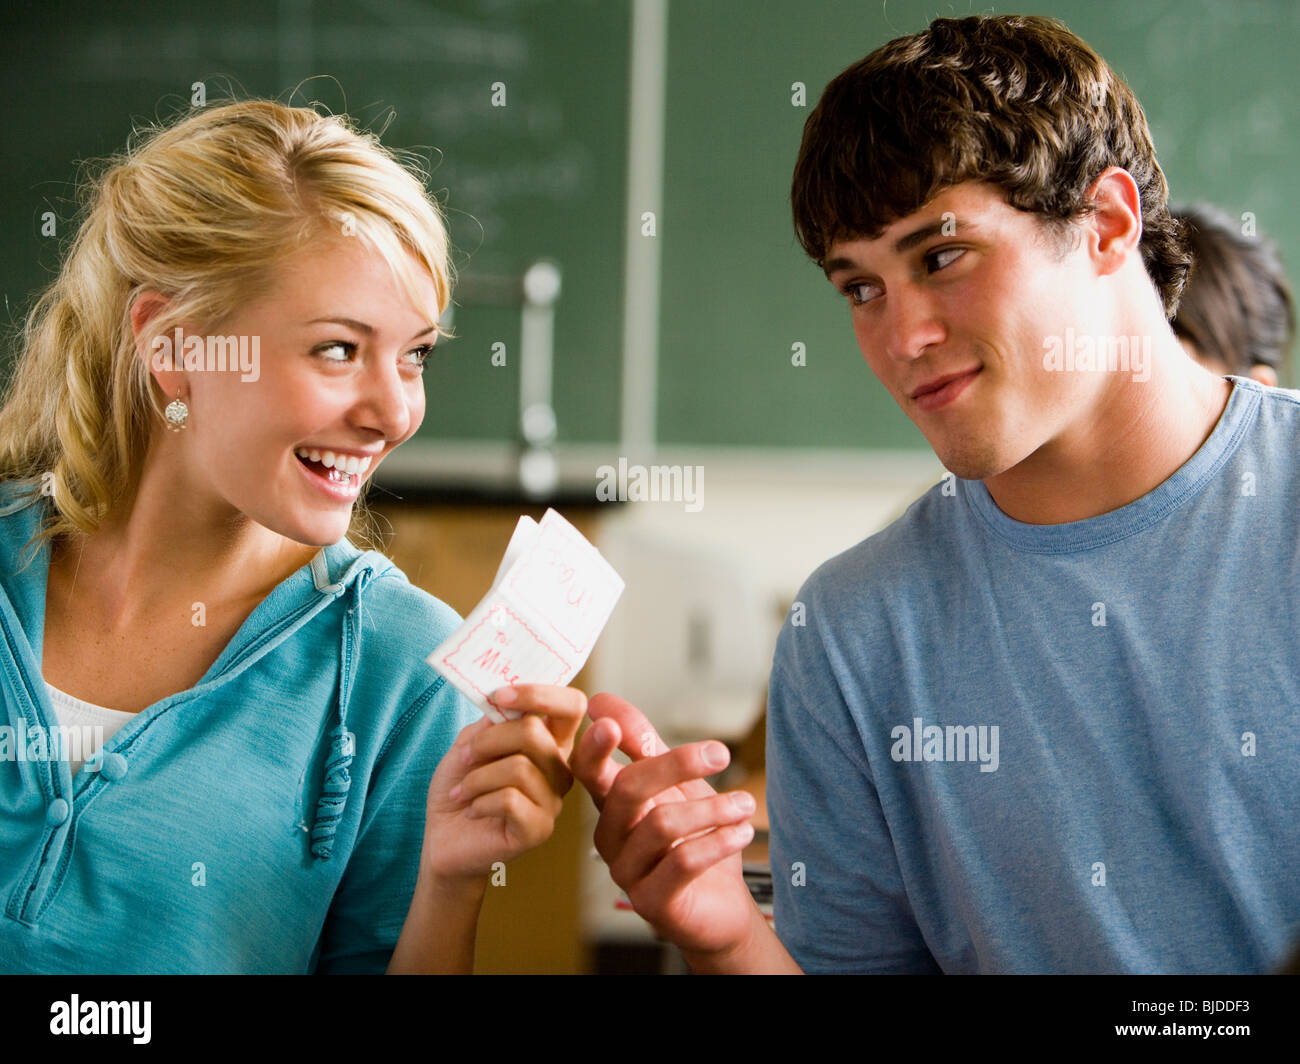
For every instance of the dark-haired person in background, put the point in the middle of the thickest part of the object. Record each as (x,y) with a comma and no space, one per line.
(1236,314)
(1007,734)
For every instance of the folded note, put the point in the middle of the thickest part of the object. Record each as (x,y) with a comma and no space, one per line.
(551,597)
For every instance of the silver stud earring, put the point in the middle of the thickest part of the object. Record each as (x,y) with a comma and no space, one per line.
(177,413)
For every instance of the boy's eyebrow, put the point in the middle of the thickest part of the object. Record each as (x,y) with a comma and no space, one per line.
(904,243)
(362,327)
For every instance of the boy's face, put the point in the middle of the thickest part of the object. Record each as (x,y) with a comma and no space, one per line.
(952,307)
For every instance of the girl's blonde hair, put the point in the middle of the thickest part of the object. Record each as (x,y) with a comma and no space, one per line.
(203,211)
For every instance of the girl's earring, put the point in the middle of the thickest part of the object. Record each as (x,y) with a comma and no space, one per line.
(177,413)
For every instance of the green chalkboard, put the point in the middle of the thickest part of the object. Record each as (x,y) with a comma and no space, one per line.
(1218,83)
(546,175)
(541,177)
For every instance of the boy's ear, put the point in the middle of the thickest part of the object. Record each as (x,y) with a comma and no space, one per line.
(1116,224)
(1266,375)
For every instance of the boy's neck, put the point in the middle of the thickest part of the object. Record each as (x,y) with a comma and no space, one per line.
(1136,436)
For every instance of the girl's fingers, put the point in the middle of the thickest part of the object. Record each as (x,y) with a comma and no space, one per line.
(525,822)
(515,772)
(468,733)
(563,708)
(528,736)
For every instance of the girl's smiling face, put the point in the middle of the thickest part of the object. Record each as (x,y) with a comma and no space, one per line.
(339,370)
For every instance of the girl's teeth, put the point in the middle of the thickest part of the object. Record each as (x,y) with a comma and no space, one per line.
(342,463)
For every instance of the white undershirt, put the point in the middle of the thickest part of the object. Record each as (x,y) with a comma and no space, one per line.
(86,716)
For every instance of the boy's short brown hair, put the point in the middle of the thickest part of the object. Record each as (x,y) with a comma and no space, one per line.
(1015,100)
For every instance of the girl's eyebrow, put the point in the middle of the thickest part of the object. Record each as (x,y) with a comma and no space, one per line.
(362,327)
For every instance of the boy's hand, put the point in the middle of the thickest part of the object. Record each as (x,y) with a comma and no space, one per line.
(671,841)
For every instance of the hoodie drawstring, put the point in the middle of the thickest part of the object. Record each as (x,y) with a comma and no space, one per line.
(337,781)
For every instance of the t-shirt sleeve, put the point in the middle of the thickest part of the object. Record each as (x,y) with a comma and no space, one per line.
(374,895)
(839,899)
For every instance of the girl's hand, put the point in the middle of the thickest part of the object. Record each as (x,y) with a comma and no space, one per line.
(497,792)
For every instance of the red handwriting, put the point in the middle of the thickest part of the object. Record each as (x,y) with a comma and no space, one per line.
(573,595)
(495,660)
(491,662)
(562,580)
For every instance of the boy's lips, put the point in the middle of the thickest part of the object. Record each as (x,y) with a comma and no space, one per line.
(938,392)
(935,383)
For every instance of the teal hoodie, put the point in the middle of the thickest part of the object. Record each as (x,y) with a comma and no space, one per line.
(268,819)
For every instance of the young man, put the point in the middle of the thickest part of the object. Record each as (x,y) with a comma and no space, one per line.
(1047,721)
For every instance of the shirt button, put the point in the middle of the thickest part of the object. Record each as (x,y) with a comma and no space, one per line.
(114,767)
(56,812)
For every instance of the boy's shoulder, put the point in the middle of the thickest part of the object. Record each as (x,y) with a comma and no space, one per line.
(908,546)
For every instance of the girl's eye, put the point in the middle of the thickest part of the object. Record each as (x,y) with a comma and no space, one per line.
(423,352)
(945,256)
(336,345)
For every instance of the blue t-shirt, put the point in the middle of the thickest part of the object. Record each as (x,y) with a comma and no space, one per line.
(269,819)
(1002,747)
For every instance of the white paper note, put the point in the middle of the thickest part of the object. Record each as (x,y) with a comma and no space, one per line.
(551,596)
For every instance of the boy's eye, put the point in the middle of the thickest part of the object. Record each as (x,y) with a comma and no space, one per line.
(945,256)
(859,293)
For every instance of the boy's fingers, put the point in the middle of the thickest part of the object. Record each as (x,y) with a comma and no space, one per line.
(684,767)
(639,738)
(670,777)
(592,762)
(696,856)
(667,825)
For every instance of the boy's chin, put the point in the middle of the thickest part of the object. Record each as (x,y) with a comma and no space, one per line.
(973,463)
